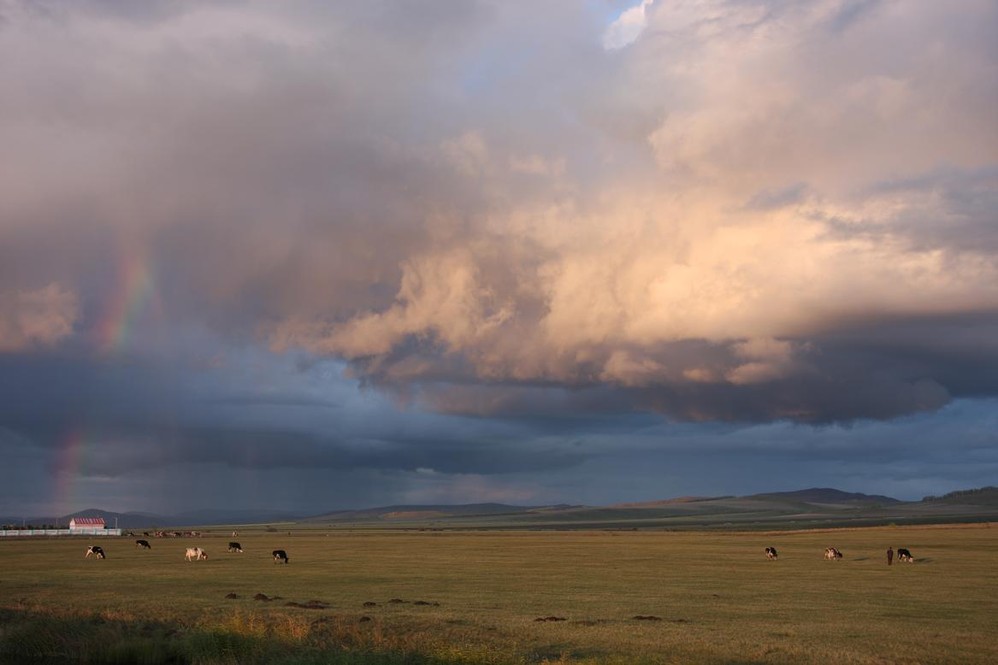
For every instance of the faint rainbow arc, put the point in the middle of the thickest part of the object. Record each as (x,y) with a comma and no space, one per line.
(135,295)
(68,464)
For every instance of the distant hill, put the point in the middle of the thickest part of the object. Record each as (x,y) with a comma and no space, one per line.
(826,495)
(817,507)
(668,502)
(209,516)
(124,520)
(984,496)
(138,520)
(411,512)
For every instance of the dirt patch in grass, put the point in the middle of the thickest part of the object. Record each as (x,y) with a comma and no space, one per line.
(309,605)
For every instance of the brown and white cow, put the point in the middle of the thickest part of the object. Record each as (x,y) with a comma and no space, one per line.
(196,554)
(832,554)
(95,550)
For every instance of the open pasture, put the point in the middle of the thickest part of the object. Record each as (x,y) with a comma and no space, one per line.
(476,597)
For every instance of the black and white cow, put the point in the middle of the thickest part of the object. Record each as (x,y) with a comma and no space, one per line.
(771,553)
(196,554)
(144,544)
(905,555)
(832,554)
(280,556)
(95,550)
(235,547)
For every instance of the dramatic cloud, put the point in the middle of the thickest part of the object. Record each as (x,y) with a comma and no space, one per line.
(502,222)
(794,192)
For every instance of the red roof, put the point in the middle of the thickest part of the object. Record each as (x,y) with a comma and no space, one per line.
(87,521)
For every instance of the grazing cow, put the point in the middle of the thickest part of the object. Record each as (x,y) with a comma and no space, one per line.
(905,555)
(95,550)
(144,544)
(235,547)
(280,556)
(832,554)
(196,554)
(771,553)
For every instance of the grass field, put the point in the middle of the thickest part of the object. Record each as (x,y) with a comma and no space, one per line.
(475,597)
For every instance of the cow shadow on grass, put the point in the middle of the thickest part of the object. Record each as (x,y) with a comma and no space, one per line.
(32,636)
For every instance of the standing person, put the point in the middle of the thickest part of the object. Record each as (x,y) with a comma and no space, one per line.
(890,555)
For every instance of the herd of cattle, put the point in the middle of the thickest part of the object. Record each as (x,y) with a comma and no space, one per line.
(193,553)
(833,554)
(280,556)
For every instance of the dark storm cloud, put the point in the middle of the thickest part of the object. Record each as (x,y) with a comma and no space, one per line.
(120,450)
(878,368)
(134,418)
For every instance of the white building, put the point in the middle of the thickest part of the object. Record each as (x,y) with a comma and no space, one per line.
(86,524)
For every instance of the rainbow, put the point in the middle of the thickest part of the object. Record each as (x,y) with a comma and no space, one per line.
(134,297)
(68,461)
(133,304)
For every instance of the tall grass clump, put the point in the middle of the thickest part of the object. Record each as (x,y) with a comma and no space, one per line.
(58,639)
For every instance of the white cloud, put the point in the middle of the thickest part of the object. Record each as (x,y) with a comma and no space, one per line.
(627,27)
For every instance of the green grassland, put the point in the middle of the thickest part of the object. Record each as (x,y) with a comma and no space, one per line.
(475,597)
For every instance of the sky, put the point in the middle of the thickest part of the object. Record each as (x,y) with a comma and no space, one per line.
(310,256)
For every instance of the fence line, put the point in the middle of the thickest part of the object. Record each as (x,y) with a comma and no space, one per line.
(59,532)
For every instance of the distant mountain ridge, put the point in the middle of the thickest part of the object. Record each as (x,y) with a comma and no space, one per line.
(814,507)
(805,508)
(984,496)
(668,502)
(422,510)
(826,495)
(140,520)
